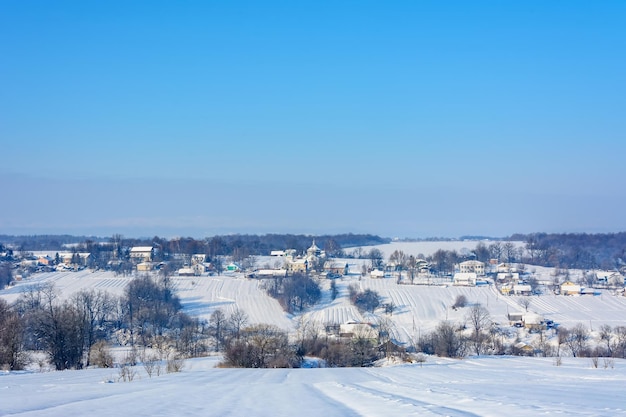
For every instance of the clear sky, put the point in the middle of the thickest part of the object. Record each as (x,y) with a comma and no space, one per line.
(399,118)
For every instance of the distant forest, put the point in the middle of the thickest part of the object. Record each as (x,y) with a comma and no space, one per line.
(564,250)
(575,250)
(229,245)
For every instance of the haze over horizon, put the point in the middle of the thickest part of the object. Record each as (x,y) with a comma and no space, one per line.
(402,119)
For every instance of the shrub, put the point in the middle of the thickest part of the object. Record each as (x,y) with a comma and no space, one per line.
(460,302)
(101,355)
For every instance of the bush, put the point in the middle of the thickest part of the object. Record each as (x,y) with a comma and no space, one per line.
(261,346)
(460,302)
(101,355)
(174,364)
(367,300)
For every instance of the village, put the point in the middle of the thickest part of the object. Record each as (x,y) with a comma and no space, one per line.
(514,290)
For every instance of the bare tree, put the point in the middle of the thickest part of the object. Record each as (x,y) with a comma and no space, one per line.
(376,258)
(261,346)
(496,250)
(446,342)
(237,321)
(218,323)
(606,335)
(385,330)
(95,309)
(576,339)
(524,302)
(509,251)
(479,320)
(11,338)
(399,259)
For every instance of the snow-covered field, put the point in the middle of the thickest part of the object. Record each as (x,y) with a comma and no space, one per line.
(494,386)
(427,248)
(419,308)
(486,386)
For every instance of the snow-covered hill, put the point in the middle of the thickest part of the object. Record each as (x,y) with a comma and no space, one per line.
(496,386)
(419,308)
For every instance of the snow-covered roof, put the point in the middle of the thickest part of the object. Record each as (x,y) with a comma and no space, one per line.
(141,249)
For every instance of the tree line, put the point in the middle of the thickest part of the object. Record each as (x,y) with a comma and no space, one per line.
(227,245)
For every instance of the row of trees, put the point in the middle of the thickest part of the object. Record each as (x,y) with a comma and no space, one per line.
(237,246)
(576,250)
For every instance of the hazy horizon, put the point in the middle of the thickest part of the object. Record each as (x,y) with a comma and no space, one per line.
(408,119)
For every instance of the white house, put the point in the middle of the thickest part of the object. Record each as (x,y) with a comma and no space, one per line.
(141,253)
(356,329)
(271,273)
(507,276)
(522,289)
(610,278)
(377,273)
(569,288)
(467,279)
(198,258)
(476,267)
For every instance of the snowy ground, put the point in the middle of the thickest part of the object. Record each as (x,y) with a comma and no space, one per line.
(489,386)
(495,386)
(426,248)
(419,308)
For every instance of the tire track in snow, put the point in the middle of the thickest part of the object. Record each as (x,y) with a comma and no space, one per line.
(373,402)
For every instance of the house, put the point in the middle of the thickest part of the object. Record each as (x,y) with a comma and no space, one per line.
(515,318)
(467,279)
(186,272)
(141,253)
(75,258)
(199,268)
(145,266)
(270,273)
(507,276)
(354,329)
(45,260)
(198,258)
(337,268)
(506,289)
(298,265)
(533,321)
(524,349)
(476,267)
(609,278)
(233,267)
(522,289)
(569,288)
(391,348)
(377,273)
(422,266)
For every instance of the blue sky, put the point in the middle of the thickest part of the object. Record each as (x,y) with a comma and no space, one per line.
(408,119)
